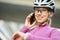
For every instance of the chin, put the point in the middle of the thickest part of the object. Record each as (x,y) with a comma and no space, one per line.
(40,21)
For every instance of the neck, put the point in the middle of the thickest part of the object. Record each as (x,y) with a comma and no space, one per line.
(42,24)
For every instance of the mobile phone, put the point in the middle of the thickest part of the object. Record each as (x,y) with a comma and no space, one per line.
(32,19)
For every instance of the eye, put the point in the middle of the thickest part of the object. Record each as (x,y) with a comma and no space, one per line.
(44,10)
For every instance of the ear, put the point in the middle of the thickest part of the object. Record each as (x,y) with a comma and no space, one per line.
(50,14)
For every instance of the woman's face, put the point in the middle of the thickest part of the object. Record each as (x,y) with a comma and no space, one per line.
(41,14)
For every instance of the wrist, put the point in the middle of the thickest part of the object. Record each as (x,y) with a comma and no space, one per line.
(27,26)
(26,35)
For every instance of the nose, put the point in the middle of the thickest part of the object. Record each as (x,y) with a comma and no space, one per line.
(39,12)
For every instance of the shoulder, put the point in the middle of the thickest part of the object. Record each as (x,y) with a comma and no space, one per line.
(55,30)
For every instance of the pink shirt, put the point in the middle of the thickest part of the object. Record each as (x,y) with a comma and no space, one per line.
(42,33)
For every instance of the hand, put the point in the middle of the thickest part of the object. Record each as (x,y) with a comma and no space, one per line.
(27,22)
(18,35)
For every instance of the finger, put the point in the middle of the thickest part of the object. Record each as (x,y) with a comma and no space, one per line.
(30,15)
(14,35)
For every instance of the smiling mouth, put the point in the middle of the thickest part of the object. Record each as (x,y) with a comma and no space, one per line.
(39,18)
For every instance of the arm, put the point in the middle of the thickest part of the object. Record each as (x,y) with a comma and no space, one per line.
(55,35)
(28,24)
(24,29)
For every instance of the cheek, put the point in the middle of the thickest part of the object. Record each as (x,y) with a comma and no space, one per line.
(45,16)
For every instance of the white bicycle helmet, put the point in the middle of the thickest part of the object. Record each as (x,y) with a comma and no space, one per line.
(45,3)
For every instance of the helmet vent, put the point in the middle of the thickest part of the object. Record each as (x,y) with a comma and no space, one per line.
(42,0)
(51,4)
(35,4)
(48,0)
(38,0)
(44,4)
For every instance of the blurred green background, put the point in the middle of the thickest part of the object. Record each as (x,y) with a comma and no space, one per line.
(14,12)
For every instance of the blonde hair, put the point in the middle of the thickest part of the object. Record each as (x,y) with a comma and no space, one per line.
(49,21)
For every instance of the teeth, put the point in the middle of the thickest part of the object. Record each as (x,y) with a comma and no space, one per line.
(40,18)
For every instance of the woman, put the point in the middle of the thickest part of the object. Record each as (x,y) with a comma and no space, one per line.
(43,12)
